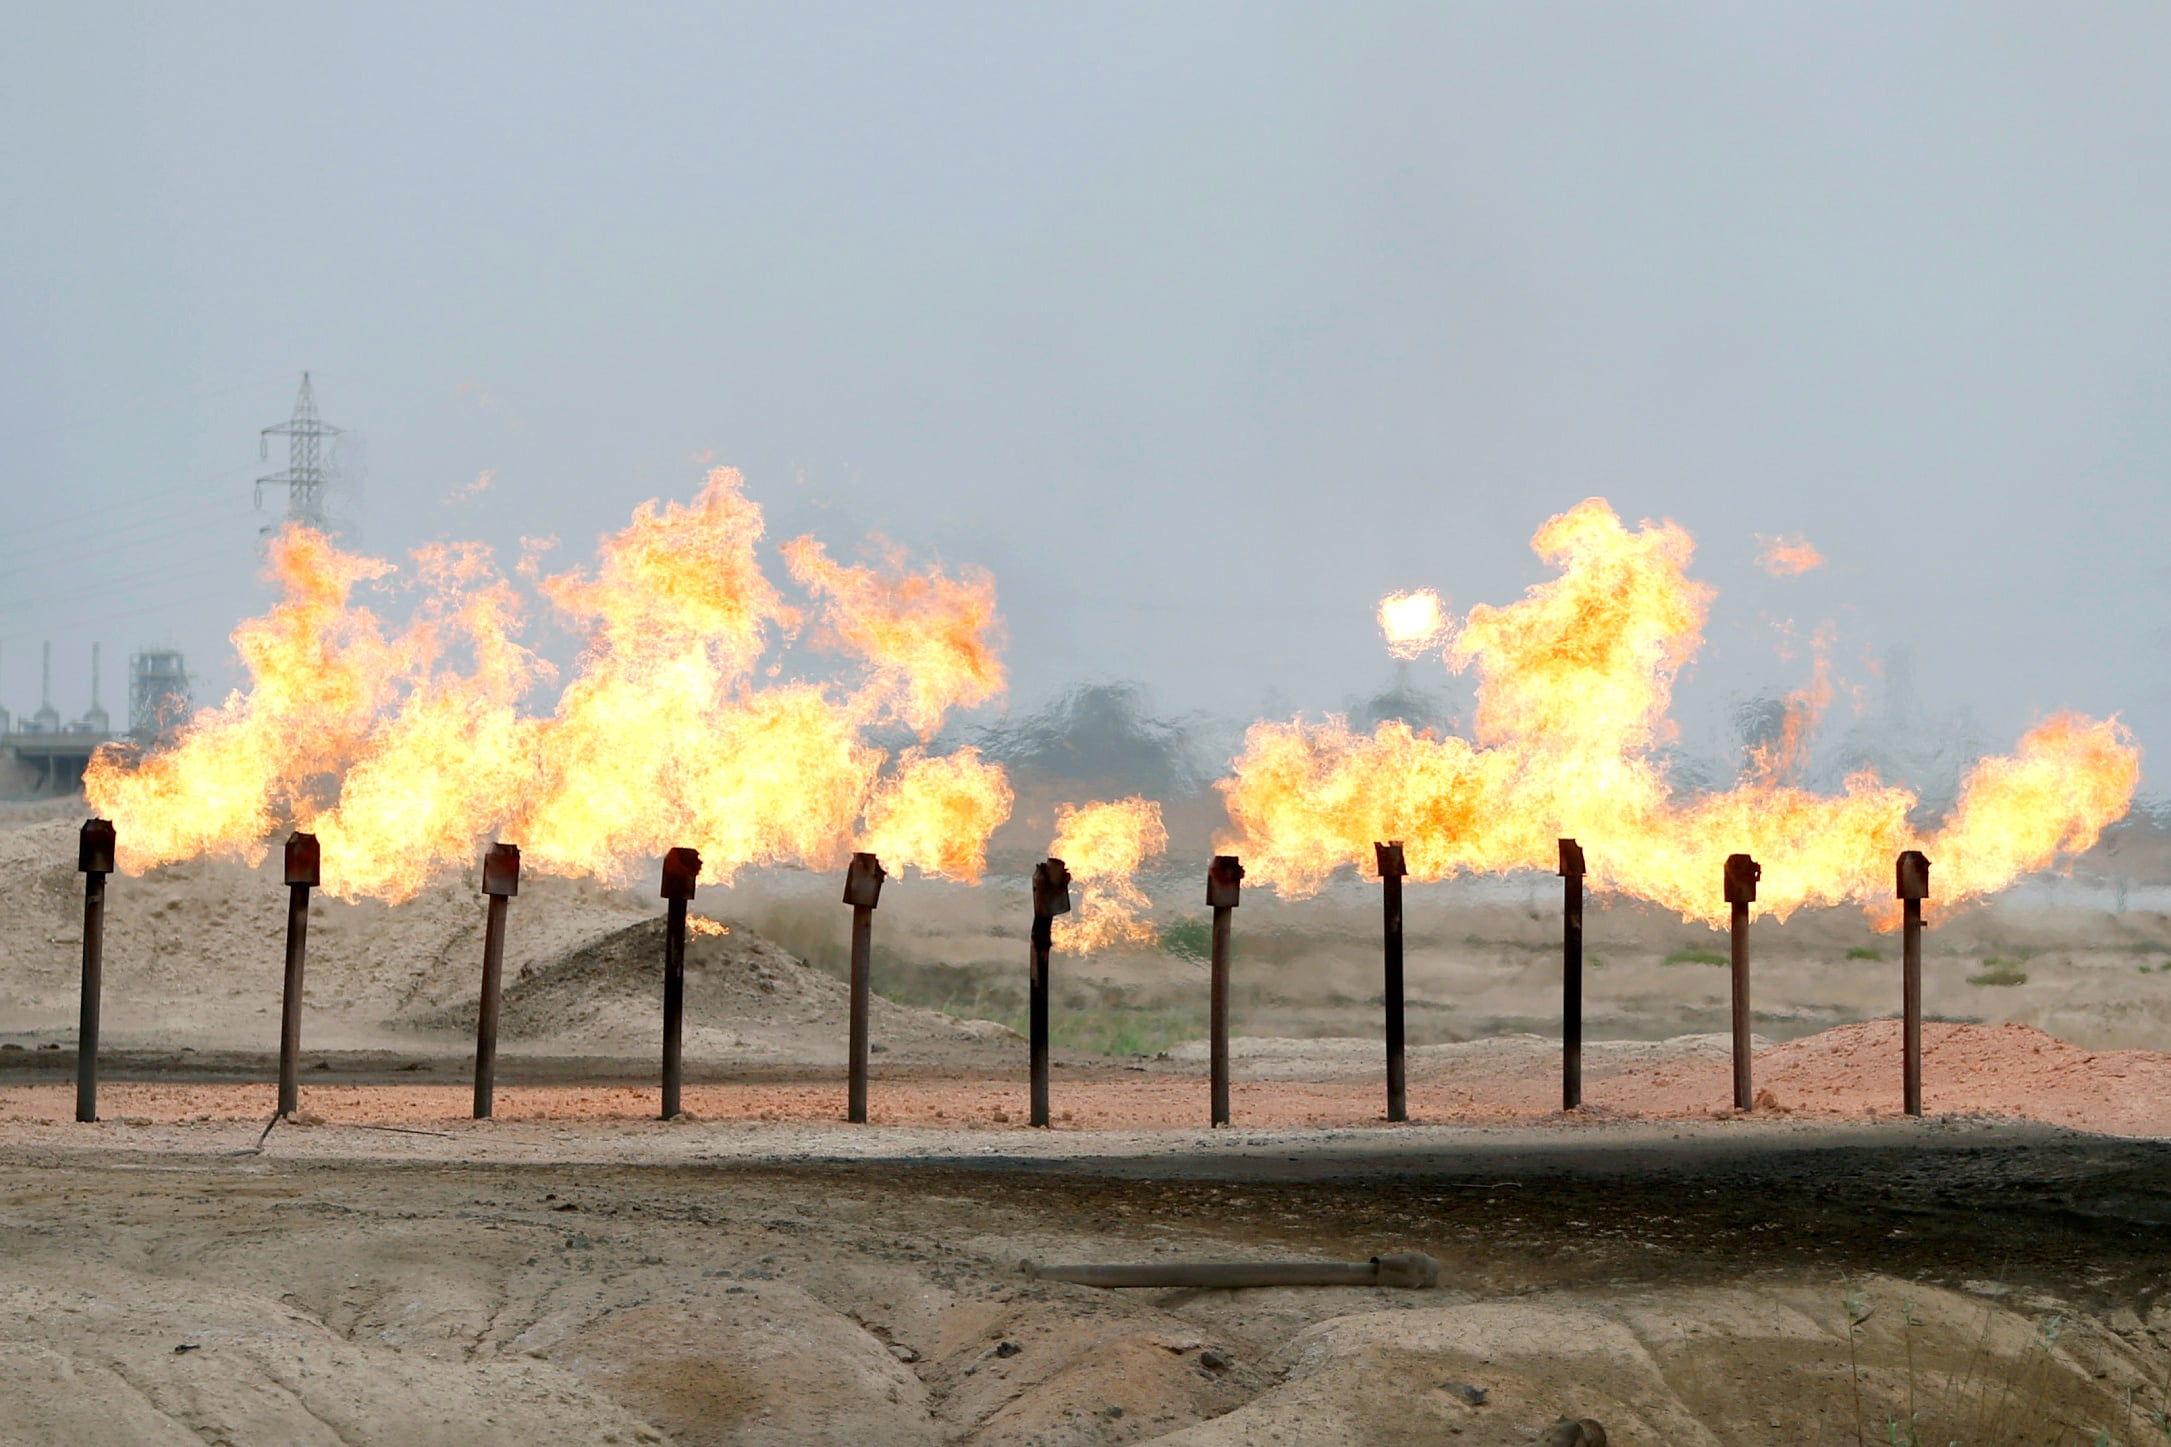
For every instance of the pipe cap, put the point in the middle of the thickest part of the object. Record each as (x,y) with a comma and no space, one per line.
(681,867)
(1051,888)
(304,860)
(1224,881)
(1387,858)
(94,847)
(501,870)
(863,881)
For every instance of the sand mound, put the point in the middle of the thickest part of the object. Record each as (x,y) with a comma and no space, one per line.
(195,952)
(747,999)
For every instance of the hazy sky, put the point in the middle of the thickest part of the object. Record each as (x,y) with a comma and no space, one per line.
(1200,326)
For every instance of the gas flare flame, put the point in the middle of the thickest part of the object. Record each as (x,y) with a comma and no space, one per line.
(1104,846)
(404,765)
(1789,555)
(1413,623)
(1574,682)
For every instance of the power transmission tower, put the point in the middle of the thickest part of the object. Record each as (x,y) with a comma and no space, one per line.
(304,479)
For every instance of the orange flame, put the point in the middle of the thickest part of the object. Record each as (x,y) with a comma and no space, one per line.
(660,739)
(1789,555)
(1574,684)
(1104,846)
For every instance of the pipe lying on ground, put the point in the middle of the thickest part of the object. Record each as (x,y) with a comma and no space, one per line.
(1411,1269)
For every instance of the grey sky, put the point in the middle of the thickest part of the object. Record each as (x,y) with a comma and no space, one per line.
(1200,326)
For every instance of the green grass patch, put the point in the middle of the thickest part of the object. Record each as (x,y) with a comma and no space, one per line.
(1188,939)
(1107,1029)
(1999,971)
(1697,957)
(1865,952)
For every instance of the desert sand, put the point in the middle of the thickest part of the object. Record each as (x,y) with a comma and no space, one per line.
(382,1268)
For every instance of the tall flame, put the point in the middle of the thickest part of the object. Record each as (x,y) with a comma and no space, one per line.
(1574,685)
(1104,846)
(404,764)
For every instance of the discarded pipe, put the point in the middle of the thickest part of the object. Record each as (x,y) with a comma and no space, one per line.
(1574,1432)
(1742,873)
(94,857)
(1913,886)
(1388,856)
(500,881)
(681,867)
(1051,897)
(862,889)
(1411,1269)
(1224,882)
(302,875)
(1571,975)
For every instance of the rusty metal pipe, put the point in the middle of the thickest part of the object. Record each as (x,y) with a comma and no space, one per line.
(1409,1269)
(1051,897)
(1912,886)
(681,868)
(303,873)
(1742,873)
(862,891)
(94,858)
(1389,859)
(1224,883)
(1571,975)
(500,881)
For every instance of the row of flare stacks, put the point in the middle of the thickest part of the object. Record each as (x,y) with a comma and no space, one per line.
(406,748)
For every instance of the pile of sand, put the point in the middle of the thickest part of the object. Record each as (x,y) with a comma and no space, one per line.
(747,999)
(195,952)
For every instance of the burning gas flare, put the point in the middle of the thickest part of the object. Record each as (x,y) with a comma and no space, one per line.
(1574,682)
(1104,846)
(404,762)
(1789,555)
(1413,623)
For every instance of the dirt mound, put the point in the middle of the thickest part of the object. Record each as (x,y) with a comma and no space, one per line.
(746,999)
(195,952)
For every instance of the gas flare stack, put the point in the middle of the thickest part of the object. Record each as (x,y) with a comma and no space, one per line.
(500,881)
(1742,873)
(1224,883)
(1571,975)
(303,873)
(1913,886)
(862,890)
(1391,870)
(1051,897)
(681,867)
(94,858)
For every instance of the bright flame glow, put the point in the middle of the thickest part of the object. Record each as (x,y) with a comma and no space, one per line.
(405,765)
(1413,623)
(1574,685)
(1104,846)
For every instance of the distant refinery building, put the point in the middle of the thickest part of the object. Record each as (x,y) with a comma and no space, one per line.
(40,756)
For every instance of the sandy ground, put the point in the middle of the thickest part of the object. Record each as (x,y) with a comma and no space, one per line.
(382,1268)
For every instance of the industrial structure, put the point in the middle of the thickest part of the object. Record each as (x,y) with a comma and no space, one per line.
(41,756)
(305,478)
